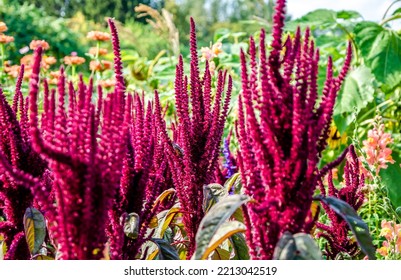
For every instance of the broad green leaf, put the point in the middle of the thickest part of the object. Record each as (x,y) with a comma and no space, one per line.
(166,251)
(357,225)
(35,229)
(212,193)
(131,225)
(225,231)
(300,246)
(391,179)
(358,90)
(170,215)
(214,219)
(220,254)
(381,50)
(240,247)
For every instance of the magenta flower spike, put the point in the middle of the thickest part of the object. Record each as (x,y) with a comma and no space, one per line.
(193,155)
(337,232)
(282,130)
(16,153)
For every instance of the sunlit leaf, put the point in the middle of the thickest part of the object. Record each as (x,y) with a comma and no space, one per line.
(220,254)
(357,225)
(35,229)
(213,220)
(233,183)
(381,51)
(225,231)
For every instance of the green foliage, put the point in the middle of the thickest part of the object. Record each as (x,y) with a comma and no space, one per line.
(26,23)
(214,227)
(35,229)
(380,48)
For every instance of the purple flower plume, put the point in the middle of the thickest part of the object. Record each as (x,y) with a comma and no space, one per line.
(337,232)
(16,153)
(282,130)
(144,174)
(193,155)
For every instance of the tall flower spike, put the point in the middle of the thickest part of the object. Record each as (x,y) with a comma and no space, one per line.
(282,132)
(337,232)
(16,153)
(193,156)
(86,169)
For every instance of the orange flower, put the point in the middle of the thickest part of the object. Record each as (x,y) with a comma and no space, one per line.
(12,71)
(74,60)
(27,73)
(212,52)
(375,147)
(98,36)
(27,60)
(49,60)
(39,43)
(54,76)
(93,51)
(3,27)
(107,83)
(4,39)
(383,251)
(100,65)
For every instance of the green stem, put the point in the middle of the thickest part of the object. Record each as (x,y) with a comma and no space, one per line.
(2,59)
(388,9)
(394,17)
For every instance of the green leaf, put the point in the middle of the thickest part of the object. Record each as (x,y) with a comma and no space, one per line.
(214,219)
(233,183)
(225,231)
(240,247)
(300,246)
(165,249)
(390,177)
(357,225)
(212,193)
(35,229)
(220,254)
(357,92)
(381,50)
(131,225)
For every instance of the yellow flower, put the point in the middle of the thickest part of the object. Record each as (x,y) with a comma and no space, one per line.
(383,251)
(335,139)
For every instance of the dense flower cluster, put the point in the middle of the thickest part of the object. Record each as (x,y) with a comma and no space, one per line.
(337,233)
(378,154)
(392,233)
(282,130)
(193,152)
